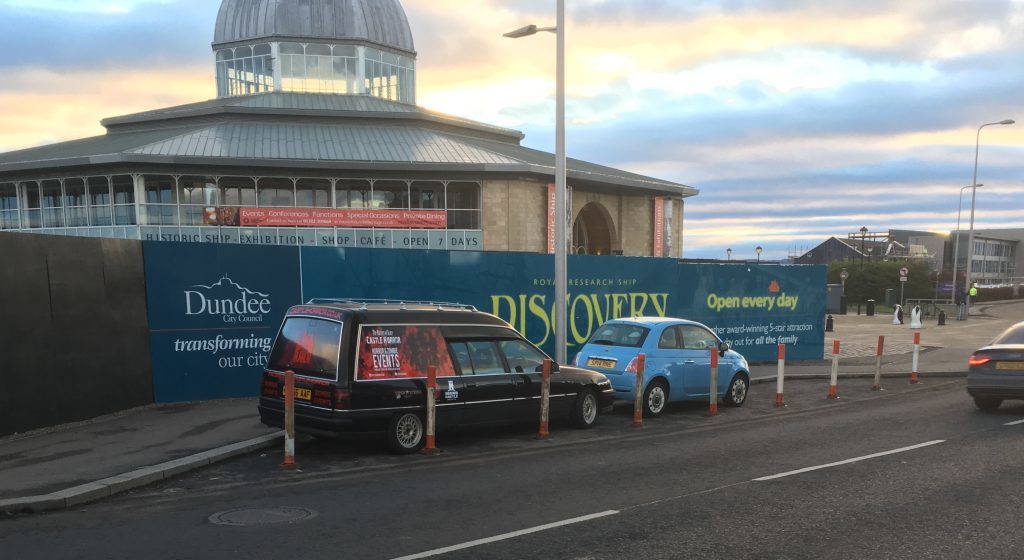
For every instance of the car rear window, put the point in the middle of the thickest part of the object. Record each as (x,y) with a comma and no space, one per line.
(309,347)
(1013,335)
(630,336)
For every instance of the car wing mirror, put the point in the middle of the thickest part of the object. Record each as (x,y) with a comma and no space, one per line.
(723,347)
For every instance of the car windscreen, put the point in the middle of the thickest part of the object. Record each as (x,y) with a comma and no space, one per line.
(307,346)
(1012,335)
(630,336)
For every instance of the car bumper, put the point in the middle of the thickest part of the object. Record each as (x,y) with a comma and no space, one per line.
(320,422)
(995,385)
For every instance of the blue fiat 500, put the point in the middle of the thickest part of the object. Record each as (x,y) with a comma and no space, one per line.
(677,357)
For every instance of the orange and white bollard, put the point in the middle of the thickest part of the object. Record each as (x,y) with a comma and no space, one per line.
(638,401)
(289,421)
(780,380)
(878,364)
(713,386)
(545,399)
(430,446)
(833,391)
(917,353)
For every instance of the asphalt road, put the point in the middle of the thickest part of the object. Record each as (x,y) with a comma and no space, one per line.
(685,486)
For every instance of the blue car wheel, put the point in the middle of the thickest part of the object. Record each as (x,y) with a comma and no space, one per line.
(736,394)
(655,398)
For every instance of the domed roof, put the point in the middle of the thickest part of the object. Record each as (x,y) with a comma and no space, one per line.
(382,22)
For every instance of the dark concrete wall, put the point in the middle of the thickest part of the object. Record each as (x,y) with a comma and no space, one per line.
(74,339)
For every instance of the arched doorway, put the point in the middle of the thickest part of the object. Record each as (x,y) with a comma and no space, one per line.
(593,232)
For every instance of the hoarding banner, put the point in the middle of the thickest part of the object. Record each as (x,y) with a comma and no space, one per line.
(215,309)
(343,217)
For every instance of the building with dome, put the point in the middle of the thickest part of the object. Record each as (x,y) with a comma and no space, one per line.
(315,138)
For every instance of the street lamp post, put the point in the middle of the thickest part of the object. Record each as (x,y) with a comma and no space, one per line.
(728,254)
(561,264)
(863,236)
(974,196)
(758,251)
(956,243)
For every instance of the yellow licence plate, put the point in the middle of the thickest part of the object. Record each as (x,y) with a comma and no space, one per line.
(1010,365)
(597,362)
(304,394)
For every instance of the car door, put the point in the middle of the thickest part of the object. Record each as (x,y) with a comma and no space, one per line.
(488,388)
(525,365)
(697,342)
(669,359)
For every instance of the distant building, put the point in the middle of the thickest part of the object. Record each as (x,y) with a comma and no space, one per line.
(856,247)
(996,259)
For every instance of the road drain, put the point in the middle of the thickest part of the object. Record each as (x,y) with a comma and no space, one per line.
(250,517)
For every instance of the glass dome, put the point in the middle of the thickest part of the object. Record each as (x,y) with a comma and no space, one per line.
(348,47)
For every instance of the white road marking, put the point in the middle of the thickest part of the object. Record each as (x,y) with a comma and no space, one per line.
(506,536)
(848,461)
(1014,423)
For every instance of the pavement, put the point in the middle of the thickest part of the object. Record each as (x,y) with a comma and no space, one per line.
(73,464)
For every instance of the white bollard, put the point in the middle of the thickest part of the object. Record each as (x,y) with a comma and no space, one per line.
(878,365)
(833,391)
(917,353)
(779,401)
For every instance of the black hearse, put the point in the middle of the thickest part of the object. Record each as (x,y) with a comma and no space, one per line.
(362,366)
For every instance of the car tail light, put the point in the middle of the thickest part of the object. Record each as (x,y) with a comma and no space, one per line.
(342,399)
(979,360)
(631,368)
(271,388)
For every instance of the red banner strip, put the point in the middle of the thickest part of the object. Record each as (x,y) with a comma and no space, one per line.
(343,217)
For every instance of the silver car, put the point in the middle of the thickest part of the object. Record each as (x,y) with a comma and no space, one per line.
(997,371)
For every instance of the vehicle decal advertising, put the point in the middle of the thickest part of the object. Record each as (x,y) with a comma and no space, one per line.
(343,217)
(394,351)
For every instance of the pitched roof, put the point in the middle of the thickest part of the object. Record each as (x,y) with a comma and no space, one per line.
(323,132)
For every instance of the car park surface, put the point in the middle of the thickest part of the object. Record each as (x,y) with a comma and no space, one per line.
(677,356)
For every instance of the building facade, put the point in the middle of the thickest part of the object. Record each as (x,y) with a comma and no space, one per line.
(315,139)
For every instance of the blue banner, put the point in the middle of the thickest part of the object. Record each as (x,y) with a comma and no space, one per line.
(215,309)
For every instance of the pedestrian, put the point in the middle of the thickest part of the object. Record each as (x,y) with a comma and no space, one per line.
(961,302)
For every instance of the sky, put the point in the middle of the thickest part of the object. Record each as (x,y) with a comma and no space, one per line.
(797,120)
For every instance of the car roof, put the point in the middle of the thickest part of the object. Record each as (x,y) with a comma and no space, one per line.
(653,321)
(381,311)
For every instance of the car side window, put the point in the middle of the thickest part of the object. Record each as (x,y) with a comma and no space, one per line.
(521,357)
(460,356)
(483,354)
(670,339)
(697,338)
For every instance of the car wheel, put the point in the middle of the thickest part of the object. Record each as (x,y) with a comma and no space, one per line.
(988,404)
(584,412)
(655,399)
(736,394)
(406,432)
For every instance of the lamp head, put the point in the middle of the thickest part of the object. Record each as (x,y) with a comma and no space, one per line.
(1007,121)
(522,32)
(864,231)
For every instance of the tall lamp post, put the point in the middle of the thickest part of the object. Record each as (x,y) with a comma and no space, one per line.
(956,243)
(974,195)
(561,265)
(863,236)
(758,251)
(728,254)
